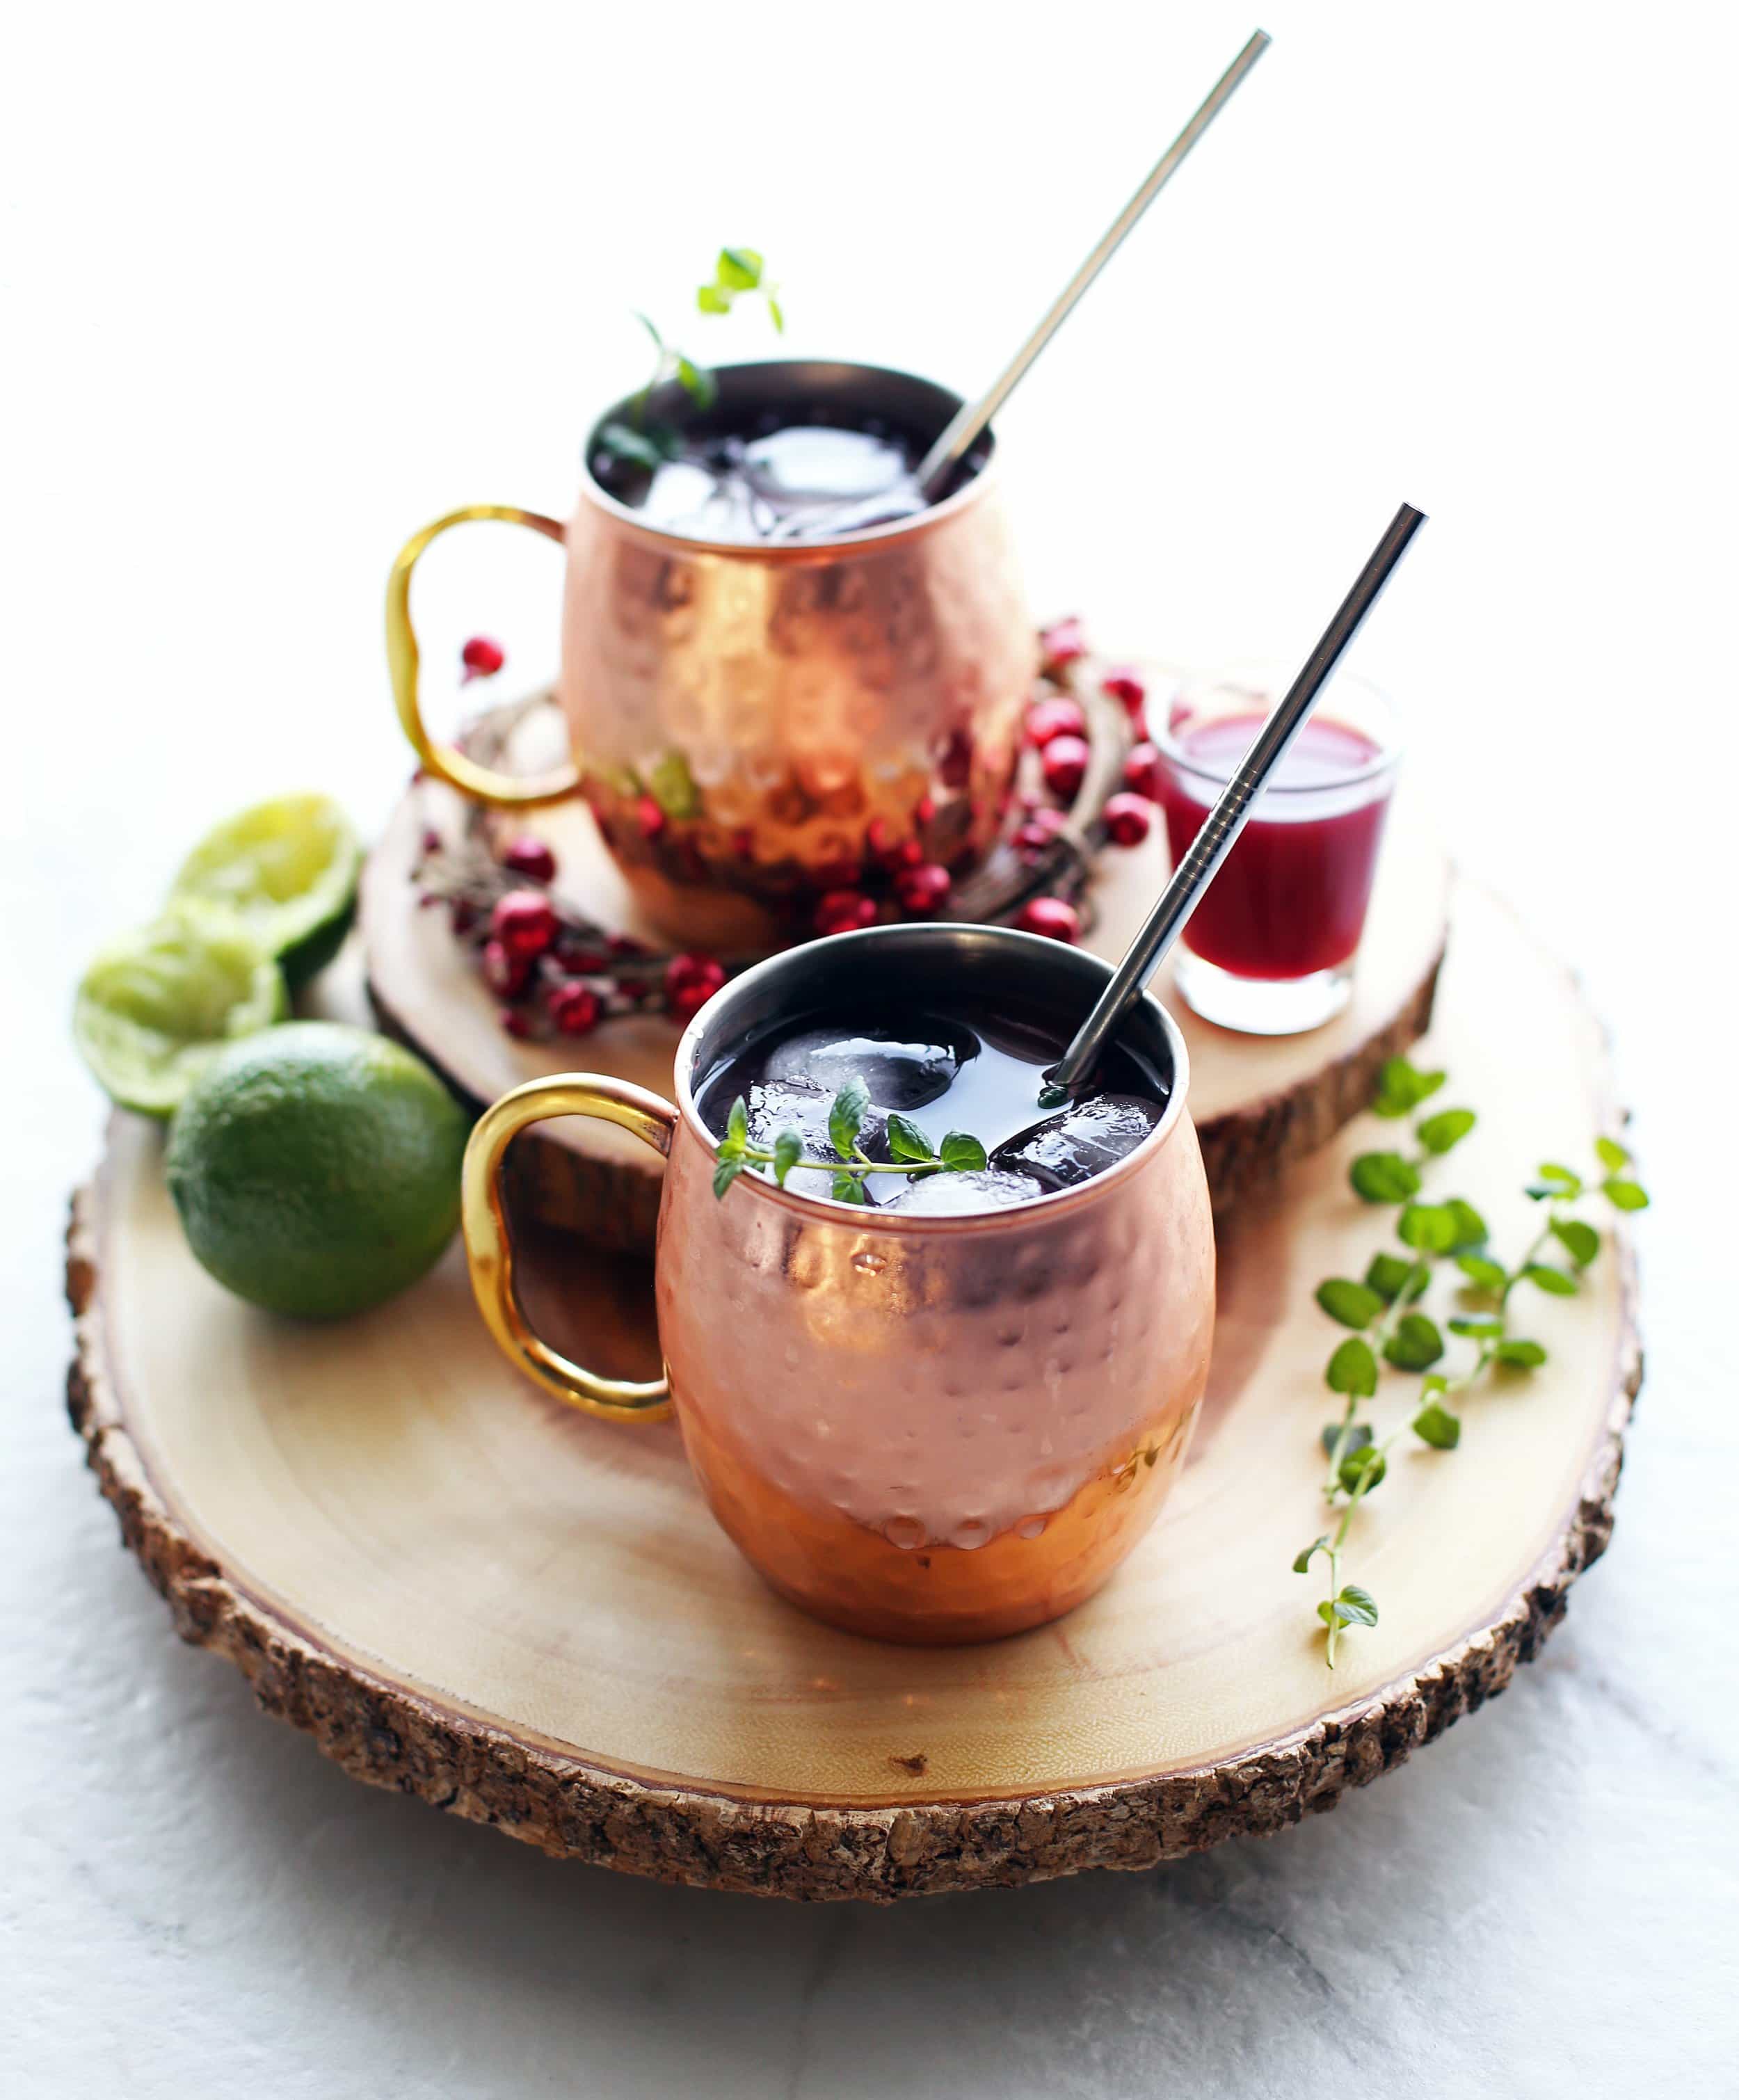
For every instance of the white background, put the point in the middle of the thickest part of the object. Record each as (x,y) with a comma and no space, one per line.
(280,284)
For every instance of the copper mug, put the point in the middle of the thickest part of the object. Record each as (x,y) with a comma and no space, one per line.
(925,1429)
(753,725)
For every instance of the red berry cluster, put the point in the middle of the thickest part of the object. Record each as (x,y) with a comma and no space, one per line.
(1057,730)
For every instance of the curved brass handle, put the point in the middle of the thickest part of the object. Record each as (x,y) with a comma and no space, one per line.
(489,1248)
(445,761)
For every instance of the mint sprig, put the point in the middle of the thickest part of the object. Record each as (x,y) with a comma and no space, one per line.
(644,441)
(913,1153)
(1387,1330)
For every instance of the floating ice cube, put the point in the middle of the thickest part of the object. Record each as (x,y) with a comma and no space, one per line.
(1080,1140)
(956,1195)
(903,1070)
(776,1105)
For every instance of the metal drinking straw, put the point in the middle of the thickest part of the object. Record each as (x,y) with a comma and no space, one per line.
(1228,817)
(939,464)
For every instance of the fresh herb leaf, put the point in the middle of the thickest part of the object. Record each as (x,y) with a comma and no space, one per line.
(672,786)
(1367,1464)
(1611,1154)
(1437,1427)
(1354,1305)
(1347,1435)
(1472,1230)
(962,1154)
(1520,1355)
(1356,1606)
(788,1150)
(724,1173)
(1624,1195)
(711,300)
(648,448)
(1430,1227)
(905,1140)
(848,1189)
(698,383)
(1486,1275)
(738,269)
(1383,1177)
(1415,1344)
(1482,1330)
(1564,1178)
(1301,1565)
(846,1117)
(1443,1132)
(736,1124)
(776,314)
(1552,1281)
(1352,1368)
(1579,1241)
(1402,1086)
(1390,1274)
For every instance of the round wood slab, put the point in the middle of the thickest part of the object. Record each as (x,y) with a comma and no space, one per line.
(467,1593)
(1259,1102)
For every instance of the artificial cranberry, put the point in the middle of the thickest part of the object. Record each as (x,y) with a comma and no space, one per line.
(482,658)
(532,859)
(625,948)
(925,810)
(690,981)
(517,1021)
(1144,772)
(1065,766)
(843,911)
(1051,917)
(1128,686)
(1040,831)
(886,850)
(505,972)
(649,815)
(1047,719)
(575,1007)
(1128,819)
(1061,643)
(525,922)
(923,891)
(463,915)
(832,874)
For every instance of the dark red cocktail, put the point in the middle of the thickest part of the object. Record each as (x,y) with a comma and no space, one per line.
(1278,928)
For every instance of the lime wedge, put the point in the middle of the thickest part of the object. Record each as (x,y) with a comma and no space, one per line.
(157,1005)
(287,869)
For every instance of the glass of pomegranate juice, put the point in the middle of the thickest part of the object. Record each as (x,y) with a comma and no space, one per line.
(1269,950)
(935,1347)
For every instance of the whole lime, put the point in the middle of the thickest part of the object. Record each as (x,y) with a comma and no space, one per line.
(315,1168)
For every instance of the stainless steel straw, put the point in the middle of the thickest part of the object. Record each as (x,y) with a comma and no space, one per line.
(1228,817)
(939,464)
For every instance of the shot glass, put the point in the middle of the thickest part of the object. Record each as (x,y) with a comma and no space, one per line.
(1271,948)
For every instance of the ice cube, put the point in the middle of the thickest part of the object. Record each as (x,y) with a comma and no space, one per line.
(956,1195)
(902,1069)
(1080,1140)
(775,1105)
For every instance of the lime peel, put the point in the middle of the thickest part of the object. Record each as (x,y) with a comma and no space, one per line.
(287,870)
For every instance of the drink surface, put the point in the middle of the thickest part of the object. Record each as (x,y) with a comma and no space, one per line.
(980,1074)
(777,480)
(1291,895)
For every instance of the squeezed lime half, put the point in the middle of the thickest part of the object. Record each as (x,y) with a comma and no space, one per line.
(157,1005)
(287,870)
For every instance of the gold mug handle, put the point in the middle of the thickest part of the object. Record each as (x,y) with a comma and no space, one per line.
(445,761)
(489,1244)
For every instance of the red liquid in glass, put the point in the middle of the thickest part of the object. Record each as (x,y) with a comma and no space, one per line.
(1291,895)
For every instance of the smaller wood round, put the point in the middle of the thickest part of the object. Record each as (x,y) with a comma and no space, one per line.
(1259,1102)
(464,1592)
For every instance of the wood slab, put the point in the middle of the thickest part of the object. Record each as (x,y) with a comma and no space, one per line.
(465,1592)
(1260,1101)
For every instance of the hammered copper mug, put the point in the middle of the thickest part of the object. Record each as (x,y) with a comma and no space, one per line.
(922,1428)
(755,724)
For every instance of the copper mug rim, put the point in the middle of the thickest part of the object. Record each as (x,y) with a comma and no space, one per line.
(824,547)
(714,1020)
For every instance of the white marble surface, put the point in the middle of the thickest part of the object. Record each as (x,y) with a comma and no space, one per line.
(281,284)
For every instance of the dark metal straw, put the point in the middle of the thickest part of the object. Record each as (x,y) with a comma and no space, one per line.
(1228,817)
(938,467)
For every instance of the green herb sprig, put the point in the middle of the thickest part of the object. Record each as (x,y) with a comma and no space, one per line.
(913,1153)
(648,443)
(1388,1329)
